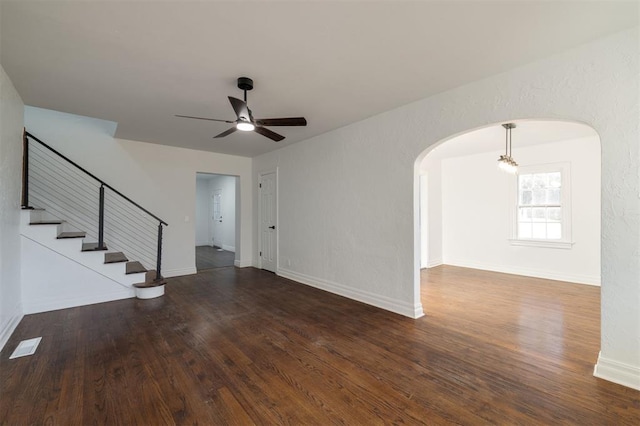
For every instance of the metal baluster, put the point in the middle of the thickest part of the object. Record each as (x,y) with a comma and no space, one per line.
(159,255)
(101,220)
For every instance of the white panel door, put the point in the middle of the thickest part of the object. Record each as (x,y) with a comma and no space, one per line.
(268,214)
(216,218)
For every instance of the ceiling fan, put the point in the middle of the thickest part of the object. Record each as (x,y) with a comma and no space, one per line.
(246,122)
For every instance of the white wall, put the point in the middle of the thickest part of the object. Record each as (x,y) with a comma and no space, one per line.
(433,236)
(203,221)
(348,199)
(160,178)
(424,221)
(53,281)
(477,215)
(11,125)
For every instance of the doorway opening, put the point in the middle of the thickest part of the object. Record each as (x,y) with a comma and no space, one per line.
(216,220)
(472,214)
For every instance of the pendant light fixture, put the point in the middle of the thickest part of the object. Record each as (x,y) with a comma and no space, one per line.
(506,162)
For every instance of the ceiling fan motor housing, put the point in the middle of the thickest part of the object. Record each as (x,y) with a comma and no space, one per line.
(245,120)
(245,83)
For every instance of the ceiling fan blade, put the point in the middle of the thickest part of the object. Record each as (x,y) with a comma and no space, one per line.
(268,133)
(241,108)
(204,118)
(291,121)
(226,132)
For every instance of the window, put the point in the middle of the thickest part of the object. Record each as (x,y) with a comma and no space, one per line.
(542,206)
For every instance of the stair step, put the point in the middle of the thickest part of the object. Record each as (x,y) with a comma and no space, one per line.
(150,284)
(135,267)
(115,257)
(72,235)
(93,247)
(46,222)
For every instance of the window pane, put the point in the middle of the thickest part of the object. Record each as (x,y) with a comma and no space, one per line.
(554,231)
(539,230)
(555,180)
(539,196)
(539,214)
(540,181)
(536,191)
(554,214)
(524,230)
(524,214)
(553,196)
(525,181)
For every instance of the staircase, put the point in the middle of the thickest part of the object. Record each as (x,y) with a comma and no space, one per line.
(83,230)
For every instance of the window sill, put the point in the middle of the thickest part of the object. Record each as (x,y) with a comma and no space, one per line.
(567,245)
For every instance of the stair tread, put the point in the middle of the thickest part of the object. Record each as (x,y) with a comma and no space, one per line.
(72,235)
(150,284)
(46,222)
(93,247)
(135,267)
(116,257)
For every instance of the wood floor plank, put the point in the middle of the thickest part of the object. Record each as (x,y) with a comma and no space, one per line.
(244,346)
(208,257)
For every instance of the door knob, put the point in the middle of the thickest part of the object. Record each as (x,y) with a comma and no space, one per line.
(272,227)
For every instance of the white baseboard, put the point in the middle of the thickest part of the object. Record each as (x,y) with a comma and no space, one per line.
(617,372)
(8,328)
(528,272)
(228,248)
(242,263)
(168,273)
(394,305)
(37,306)
(432,263)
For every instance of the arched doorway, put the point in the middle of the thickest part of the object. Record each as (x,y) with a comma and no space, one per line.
(474,215)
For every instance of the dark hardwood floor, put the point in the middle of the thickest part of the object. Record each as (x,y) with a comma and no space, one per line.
(208,257)
(244,346)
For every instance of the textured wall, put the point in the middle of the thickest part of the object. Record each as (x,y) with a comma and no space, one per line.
(348,199)
(11,124)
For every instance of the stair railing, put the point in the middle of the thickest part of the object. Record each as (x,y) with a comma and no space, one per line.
(48,179)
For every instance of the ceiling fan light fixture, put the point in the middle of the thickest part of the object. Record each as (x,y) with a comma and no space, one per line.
(245,126)
(244,119)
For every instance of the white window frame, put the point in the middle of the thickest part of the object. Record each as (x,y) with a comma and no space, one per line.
(566,241)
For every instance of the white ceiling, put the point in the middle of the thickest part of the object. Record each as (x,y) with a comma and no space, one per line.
(139,63)
(492,138)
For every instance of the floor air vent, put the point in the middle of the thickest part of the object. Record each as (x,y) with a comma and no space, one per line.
(26,347)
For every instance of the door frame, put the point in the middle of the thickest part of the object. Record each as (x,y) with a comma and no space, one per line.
(260,208)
